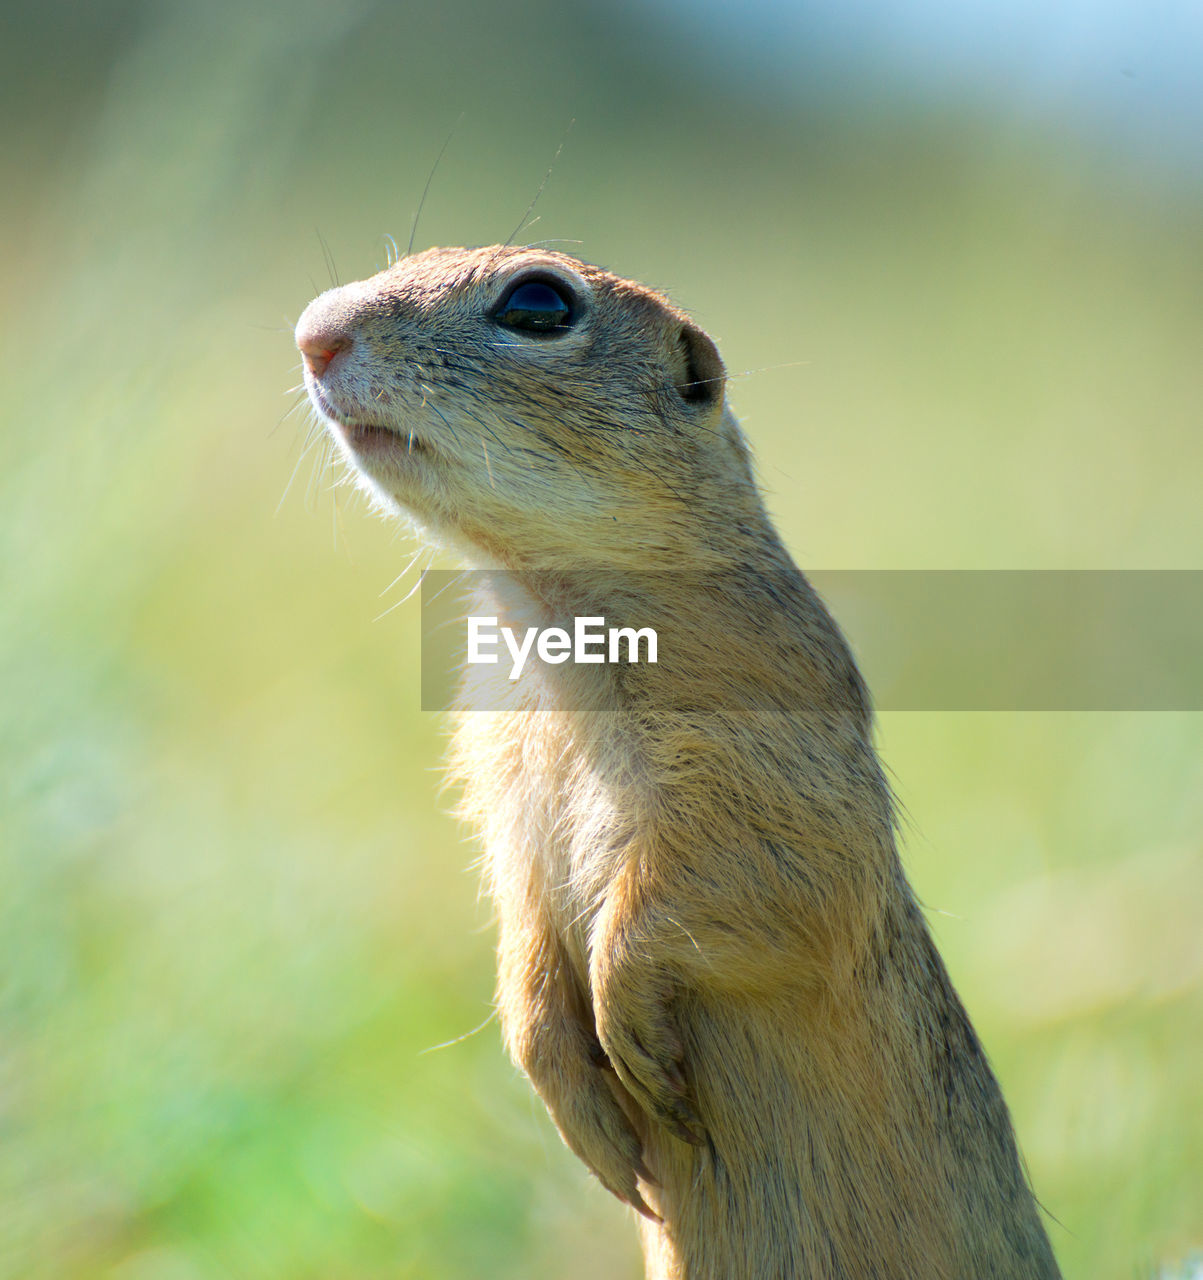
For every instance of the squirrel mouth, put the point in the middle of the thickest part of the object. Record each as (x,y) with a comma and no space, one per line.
(359,432)
(365,435)
(371,438)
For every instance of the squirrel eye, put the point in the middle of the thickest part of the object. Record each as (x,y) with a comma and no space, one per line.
(536,307)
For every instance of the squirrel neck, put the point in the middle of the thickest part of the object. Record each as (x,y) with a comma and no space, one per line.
(746,634)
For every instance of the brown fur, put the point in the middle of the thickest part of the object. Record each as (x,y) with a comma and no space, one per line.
(711,965)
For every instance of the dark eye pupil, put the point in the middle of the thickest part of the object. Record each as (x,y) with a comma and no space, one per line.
(535,306)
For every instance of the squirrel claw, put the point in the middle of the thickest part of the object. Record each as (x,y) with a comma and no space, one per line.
(640,1205)
(683,1122)
(632,1196)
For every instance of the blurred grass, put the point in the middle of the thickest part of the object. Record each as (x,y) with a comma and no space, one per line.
(233,915)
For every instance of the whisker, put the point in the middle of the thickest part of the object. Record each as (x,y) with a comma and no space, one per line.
(329,258)
(315,478)
(526,213)
(412,561)
(317,429)
(296,467)
(283,418)
(337,518)
(409,593)
(747,373)
(447,1044)
(453,580)
(413,231)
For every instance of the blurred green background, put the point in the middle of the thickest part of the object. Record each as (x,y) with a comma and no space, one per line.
(235,920)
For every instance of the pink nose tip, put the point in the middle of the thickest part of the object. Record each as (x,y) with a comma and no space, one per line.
(319,344)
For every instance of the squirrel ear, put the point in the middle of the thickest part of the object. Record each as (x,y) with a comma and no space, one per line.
(698,371)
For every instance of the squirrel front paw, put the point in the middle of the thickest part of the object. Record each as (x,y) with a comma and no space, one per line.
(635,1011)
(564,1061)
(593,1124)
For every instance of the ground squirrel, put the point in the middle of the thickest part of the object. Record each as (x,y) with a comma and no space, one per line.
(711,965)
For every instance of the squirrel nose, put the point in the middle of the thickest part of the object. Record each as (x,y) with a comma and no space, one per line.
(319,343)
